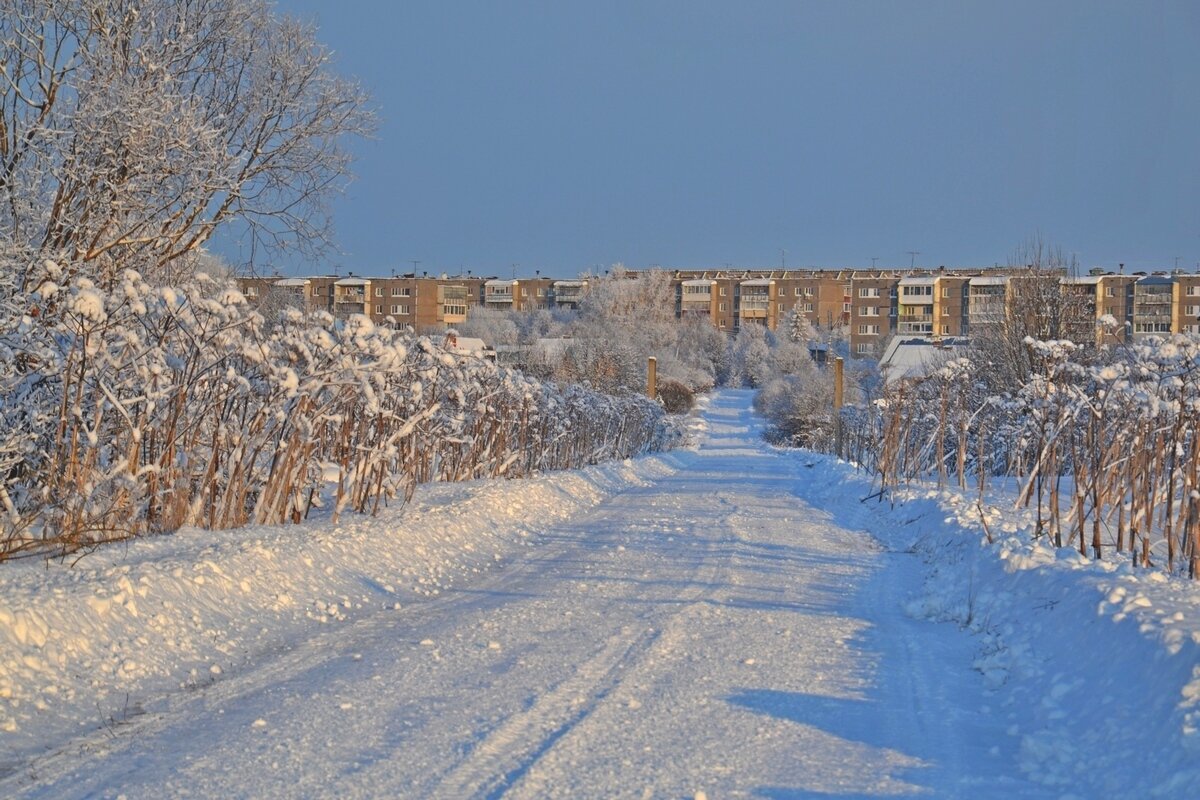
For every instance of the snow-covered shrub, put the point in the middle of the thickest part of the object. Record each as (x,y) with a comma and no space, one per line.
(799,410)
(1105,443)
(676,397)
(143,409)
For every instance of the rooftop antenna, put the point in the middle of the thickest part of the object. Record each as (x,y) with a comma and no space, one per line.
(873,260)
(514,269)
(782,258)
(414,262)
(912,262)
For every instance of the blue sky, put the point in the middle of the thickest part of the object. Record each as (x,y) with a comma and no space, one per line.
(559,136)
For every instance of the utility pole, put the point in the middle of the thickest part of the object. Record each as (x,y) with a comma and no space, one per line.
(913,257)
(837,401)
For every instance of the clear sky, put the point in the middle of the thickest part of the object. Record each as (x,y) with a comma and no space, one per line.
(567,134)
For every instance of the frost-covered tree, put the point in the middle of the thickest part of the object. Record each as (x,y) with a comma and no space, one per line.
(752,355)
(494,326)
(799,329)
(131,130)
(1036,308)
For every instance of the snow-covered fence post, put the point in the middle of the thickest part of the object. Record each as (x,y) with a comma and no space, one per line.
(652,377)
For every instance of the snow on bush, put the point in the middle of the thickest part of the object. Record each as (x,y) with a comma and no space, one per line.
(1105,444)
(140,410)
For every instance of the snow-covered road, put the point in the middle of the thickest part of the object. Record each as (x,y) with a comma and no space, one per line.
(710,632)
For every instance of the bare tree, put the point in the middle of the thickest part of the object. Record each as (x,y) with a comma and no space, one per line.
(1038,307)
(130,130)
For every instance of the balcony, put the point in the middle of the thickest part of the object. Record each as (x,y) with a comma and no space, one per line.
(909,328)
(906,316)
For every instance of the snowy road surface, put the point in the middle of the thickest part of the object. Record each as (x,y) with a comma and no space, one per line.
(711,632)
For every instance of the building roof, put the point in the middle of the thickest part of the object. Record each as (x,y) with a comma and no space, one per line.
(699,282)
(757,282)
(917,356)
(991,280)
(500,282)
(351,282)
(292,282)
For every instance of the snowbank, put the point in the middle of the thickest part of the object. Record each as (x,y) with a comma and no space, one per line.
(88,644)
(1095,665)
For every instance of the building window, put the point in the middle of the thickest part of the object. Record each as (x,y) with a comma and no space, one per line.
(864,347)
(1192,311)
(395,309)
(398,291)
(720,306)
(379,291)
(1193,291)
(945,330)
(945,311)
(1152,327)
(781,308)
(808,292)
(798,292)
(945,291)
(868,330)
(722,323)
(869,292)
(845,308)
(317,291)
(541,292)
(722,291)
(808,308)
(869,311)
(1110,292)
(379,310)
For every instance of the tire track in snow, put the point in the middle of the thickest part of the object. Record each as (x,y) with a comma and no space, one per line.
(503,759)
(517,743)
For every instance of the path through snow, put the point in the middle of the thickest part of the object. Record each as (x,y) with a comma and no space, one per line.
(709,632)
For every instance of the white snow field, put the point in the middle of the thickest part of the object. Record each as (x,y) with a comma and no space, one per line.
(729,621)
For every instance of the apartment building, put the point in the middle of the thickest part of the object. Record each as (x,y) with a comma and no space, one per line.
(525,294)
(314,293)
(731,298)
(568,294)
(1153,306)
(1187,303)
(874,302)
(425,304)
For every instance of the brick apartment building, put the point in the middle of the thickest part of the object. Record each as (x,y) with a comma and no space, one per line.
(872,305)
(425,303)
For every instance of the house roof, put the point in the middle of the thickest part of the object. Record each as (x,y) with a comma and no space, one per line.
(915,357)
